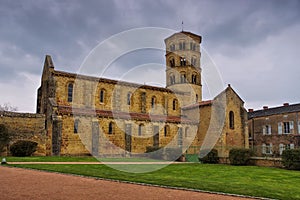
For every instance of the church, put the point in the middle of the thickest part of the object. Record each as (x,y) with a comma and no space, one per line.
(86,115)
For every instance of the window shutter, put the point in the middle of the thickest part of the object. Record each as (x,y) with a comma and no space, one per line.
(281,148)
(264,148)
(279,128)
(299,127)
(270,129)
(264,130)
(271,151)
(292,126)
(292,146)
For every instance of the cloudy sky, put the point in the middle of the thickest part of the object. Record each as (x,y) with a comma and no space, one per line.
(255,44)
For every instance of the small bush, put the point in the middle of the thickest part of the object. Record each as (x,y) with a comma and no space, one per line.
(23,148)
(211,157)
(4,137)
(291,159)
(240,156)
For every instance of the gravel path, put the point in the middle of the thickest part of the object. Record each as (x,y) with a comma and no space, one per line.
(25,184)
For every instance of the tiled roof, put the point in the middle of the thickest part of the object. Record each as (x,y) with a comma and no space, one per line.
(124,115)
(116,82)
(199,104)
(274,111)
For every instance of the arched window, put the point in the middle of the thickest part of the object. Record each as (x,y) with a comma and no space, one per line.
(174,104)
(172,47)
(172,62)
(192,46)
(231,120)
(193,61)
(153,102)
(141,127)
(186,134)
(172,79)
(76,124)
(182,61)
(166,130)
(182,45)
(102,95)
(194,78)
(182,78)
(70,92)
(129,98)
(111,128)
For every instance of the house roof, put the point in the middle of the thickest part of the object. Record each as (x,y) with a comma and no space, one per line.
(274,111)
(198,104)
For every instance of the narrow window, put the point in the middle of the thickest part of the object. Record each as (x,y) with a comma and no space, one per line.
(193,61)
(76,123)
(141,127)
(186,132)
(194,79)
(166,130)
(102,96)
(197,97)
(279,128)
(281,148)
(129,98)
(174,104)
(153,101)
(183,78)
(267,130)
(183,45)
(231,120)
(70,92)
(110,128)
(182,61)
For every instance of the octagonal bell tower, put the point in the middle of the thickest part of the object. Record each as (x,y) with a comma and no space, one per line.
(183,73)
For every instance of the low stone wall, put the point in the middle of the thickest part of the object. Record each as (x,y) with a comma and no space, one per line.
(266,162)
(25,126)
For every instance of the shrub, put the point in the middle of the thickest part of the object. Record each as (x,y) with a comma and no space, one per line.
(4,137)
(211,157)
(23,148)
(240,156)
(291,159)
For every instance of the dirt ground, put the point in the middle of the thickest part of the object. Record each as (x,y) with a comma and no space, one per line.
(30,184)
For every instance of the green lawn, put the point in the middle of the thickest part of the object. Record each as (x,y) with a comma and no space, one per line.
(246,180)
(75,159)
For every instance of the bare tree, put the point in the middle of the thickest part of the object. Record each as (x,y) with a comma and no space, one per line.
(8,107)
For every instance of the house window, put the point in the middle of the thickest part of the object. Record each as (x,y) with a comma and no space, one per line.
(166,130)
(182,61)
(267,149)
(111,128)
(267,130)
(182,78)
(76,123)
(153,102)
(231,120)
(102,93)
(286,127)
(141,127)
(129,98)
(283,147)
(70,92)
(174,104)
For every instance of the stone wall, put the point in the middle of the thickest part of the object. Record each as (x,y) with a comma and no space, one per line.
(25,126)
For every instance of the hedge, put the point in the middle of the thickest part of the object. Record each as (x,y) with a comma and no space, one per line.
(23,148)
(211,157)
(240,156)
(291,159)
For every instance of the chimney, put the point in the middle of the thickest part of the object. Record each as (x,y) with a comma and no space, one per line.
(250,110)
(286,104)
(265,107)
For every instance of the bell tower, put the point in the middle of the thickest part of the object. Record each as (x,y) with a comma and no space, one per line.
(183,73)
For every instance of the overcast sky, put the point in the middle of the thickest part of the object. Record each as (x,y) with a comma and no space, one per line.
(255,44)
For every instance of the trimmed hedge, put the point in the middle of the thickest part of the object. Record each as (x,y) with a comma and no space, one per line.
(4,137)
(240,156)
(23,148)
(291,159)
(211,157)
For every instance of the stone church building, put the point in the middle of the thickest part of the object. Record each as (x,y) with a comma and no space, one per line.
(94,115)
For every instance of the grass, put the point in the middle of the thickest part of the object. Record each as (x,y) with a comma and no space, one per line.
(75,159)
(245,180)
